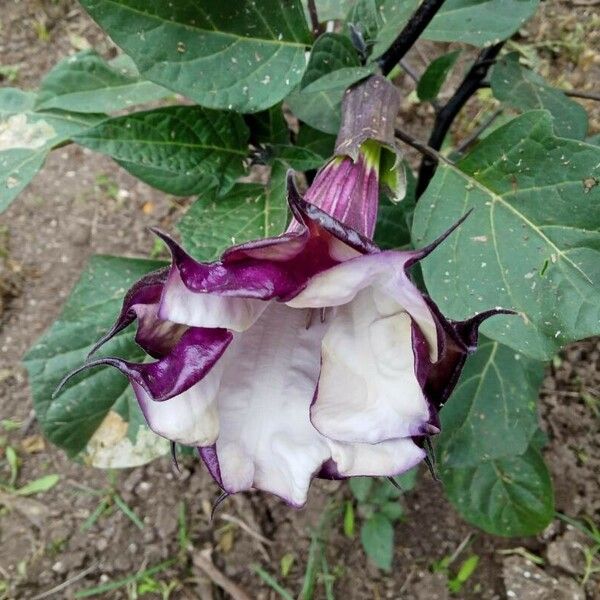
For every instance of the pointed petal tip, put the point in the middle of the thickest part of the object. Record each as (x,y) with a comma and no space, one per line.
(427,250)
(222,497)
(99,362)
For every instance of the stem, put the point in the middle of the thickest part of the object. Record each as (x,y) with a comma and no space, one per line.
(409,35)
(445,117)
(314,18)
(422,147)
(580,94)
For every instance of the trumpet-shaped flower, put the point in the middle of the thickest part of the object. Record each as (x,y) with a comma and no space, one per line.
(308,354)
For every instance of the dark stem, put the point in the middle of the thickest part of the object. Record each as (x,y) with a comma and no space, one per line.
(474,136)
(409,35)
(445,117)
(580,94)
(314,18)
(572,93)
(422,147)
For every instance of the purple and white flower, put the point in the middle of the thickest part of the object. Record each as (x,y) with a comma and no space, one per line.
(308,354)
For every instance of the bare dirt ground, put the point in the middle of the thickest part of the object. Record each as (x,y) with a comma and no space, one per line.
(83,204)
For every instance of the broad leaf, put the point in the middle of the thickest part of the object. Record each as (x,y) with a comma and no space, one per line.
(328,10)
(331,52)
(86,83)
(89,416)
(248,211)
(492,413)
(298,158)
(365,15)
(393,17)
(27,136)
(377,537)
(525,90)
(334,65)
(361,488)
(181,150)
(319,142)
(436,73)
(243,56)
(479,22)
(509,497)
(532,242)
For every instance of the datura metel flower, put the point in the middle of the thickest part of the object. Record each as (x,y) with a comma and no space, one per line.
(307,354)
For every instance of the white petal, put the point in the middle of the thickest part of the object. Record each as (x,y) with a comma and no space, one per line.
(368,390)
(180,305)
(190,418)
(383,271)
(385,459)
(266,439)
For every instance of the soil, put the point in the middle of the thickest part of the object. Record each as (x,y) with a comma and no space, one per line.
(82,204)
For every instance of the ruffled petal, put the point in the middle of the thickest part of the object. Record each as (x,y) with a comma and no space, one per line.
(384,271)
(189,418)
(368,389)
(186,364)
(266,439)
(181,305)
(385,459)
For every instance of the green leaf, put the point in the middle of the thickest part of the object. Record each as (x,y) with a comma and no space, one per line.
(248,211)
(377,537)
(319,142)
(85,83)
(492,413)
(510,497)
(436,73)
(27,136)
(366,17)
(333,67)
(298,158)
(181,150)
(331,52)
(532,242)
(329,10)
(479,22)
(243,56)
(392,510)
(361,487)
(525,90)
(72,420)
(43,484)
(394,16)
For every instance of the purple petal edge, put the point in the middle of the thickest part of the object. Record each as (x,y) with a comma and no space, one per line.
(146,290)
(188,362)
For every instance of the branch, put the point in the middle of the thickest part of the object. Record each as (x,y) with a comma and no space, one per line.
(409,35)
(314,18)
(422,147)
(580,94)
(445,117)
(572,93)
